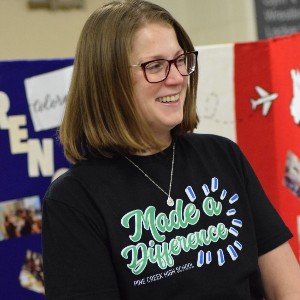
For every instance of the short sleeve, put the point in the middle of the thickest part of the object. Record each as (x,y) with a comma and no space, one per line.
(270,229)
(77,261)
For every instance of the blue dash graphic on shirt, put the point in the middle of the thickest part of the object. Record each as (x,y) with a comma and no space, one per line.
(231,212)
(206,258)
(223,194)
(190,193)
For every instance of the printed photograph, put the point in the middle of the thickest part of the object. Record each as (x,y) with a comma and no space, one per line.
(292,173)
(31,275)
(20,217)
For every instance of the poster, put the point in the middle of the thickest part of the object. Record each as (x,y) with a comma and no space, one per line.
(32,100)
(277,17)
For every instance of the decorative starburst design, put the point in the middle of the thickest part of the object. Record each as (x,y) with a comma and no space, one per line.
(206,257)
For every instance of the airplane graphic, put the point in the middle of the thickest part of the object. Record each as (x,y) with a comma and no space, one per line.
(265,100)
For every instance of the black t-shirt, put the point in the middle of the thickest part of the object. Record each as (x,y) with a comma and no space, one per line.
(108,232)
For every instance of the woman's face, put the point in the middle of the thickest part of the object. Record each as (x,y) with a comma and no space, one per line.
(161,104)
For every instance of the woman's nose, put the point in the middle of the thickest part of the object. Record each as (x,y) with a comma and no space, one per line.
(174,77)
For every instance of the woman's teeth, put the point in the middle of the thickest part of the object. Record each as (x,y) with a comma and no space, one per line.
(168,99)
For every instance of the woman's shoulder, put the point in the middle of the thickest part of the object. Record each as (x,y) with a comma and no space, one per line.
(79,177)
(208,139)
(211,146)
(62,185)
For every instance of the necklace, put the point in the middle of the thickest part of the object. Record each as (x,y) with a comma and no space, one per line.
(170,201)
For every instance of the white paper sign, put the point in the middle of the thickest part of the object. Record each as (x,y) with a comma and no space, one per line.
(46,97)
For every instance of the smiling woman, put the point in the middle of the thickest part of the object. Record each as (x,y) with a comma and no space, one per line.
(157,41)
(151,210)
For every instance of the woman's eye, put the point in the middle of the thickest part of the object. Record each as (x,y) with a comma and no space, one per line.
(155,66)
(181,60)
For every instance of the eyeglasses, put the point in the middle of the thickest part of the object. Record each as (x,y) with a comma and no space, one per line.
(158,70)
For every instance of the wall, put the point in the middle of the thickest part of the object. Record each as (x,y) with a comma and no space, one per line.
(40,33)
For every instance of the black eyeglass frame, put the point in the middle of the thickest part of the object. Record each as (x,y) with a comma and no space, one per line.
(171,61)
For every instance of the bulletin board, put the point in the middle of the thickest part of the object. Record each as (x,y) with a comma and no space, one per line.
(32,98)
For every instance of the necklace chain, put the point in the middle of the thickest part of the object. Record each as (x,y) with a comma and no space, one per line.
(170,201)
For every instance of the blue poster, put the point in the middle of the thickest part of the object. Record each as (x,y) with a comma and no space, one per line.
(32,100)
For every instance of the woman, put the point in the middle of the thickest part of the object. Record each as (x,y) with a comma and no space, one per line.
(150,210)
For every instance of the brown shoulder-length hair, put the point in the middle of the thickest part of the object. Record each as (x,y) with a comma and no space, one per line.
(101,117)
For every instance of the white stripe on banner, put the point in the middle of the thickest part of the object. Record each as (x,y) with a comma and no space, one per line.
(215,98)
